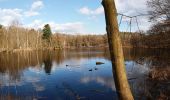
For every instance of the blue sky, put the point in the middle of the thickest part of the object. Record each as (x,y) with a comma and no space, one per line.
(69,16)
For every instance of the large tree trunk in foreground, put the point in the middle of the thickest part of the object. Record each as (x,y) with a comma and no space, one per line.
(116,52)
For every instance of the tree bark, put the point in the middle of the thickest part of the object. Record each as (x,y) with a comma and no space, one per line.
(116,51)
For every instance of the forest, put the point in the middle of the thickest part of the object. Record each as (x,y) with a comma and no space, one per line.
(15,36)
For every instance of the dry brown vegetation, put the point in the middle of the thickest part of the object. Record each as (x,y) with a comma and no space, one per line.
(157,37)
(16,37)
(160,74)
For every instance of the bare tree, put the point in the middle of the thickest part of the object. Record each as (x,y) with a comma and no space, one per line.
(159,9)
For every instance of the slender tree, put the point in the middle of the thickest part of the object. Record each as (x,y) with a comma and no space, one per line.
(116,51)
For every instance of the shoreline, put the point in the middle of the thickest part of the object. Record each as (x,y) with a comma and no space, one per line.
(51,48)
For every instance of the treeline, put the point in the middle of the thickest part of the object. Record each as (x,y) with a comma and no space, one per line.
(78,41)
(17,37)
(157,37)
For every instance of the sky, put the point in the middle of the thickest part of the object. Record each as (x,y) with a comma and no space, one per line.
(71,16)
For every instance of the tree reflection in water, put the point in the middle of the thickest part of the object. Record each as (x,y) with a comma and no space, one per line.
(148,72)
(48,64)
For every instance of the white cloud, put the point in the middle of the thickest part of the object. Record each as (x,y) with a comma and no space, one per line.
(8,15)
(85,11)
(92,14)
(106,81)
(131,7)
(126,7)
(35,7)
(72,27)
(31,13)
(69,27)
(88,11)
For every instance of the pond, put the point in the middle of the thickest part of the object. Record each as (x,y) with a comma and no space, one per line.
(74,75)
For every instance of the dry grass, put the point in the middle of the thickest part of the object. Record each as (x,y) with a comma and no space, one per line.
(160,74)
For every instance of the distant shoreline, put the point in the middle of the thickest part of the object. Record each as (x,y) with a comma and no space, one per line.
(51,48)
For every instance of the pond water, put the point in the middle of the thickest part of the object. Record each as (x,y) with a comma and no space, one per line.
(74,75)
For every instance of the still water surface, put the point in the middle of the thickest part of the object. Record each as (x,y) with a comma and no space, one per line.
(74,75)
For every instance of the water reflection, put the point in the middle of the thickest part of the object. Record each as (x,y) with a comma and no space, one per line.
(146,70)
(48,64)
(105,81)
(44,74)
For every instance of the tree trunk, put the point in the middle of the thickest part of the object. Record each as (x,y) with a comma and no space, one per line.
(116,51)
